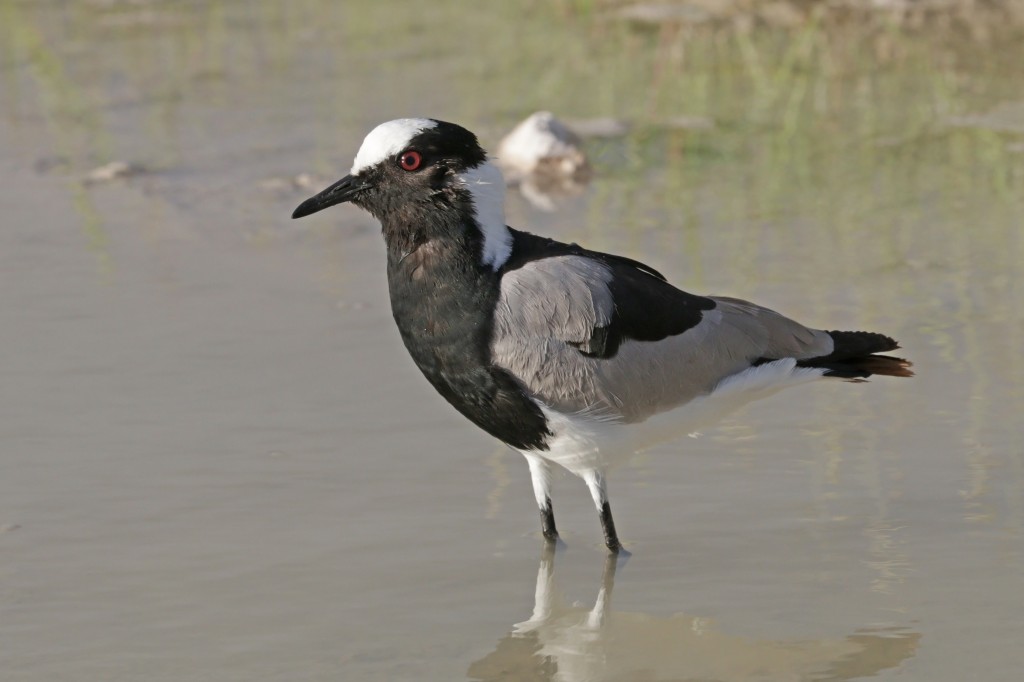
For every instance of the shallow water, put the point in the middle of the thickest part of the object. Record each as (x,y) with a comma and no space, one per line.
(219,463)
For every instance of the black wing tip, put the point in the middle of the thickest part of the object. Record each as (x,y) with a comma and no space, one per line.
(855,357)
(858,369)
(859,344)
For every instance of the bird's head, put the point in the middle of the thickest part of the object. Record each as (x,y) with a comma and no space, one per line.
(422,177)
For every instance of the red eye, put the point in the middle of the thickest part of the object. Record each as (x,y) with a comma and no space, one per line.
(410,160)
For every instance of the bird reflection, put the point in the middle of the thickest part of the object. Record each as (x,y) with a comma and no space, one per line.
(545,159)
(551,184)
(566,642)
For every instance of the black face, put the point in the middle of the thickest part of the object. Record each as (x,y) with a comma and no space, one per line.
(448,144)
(419,174)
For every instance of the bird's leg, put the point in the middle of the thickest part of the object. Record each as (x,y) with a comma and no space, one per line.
(611,539)
(595,481)
(540,473)
(547,522)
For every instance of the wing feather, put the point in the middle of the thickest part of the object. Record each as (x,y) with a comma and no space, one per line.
(587,335)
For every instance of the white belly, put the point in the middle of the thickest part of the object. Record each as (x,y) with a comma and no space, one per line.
(586,442)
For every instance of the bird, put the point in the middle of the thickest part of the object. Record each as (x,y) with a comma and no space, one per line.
(573,357)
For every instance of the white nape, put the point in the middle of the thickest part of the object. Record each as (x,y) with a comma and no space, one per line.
(387,140)
(487,187)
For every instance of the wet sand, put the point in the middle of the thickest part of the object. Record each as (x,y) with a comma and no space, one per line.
(218,462)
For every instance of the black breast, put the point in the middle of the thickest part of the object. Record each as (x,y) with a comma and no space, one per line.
(443,303)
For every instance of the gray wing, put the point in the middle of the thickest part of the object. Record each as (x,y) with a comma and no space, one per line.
(551,310)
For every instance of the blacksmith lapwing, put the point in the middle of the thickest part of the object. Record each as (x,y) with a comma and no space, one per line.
(572,357)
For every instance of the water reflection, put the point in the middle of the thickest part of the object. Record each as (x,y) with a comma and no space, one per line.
(545,159)
(566,641)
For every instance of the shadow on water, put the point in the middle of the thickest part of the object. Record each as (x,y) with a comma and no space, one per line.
(565,641)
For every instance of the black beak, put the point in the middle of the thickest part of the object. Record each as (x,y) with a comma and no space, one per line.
(341,191)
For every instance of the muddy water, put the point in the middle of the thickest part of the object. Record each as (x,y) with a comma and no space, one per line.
(218,463)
